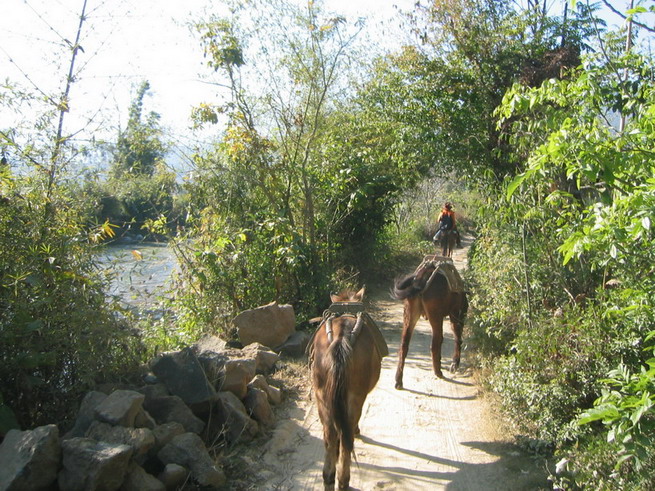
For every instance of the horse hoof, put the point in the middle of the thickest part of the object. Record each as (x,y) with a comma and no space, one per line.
(399,385)
(439,374)
(454,367)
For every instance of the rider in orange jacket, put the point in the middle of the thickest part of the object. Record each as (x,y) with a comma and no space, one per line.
(446,221)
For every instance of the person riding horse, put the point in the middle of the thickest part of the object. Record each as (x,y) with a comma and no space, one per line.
(447,224)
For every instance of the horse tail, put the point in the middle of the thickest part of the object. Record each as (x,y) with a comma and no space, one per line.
(336,388)
(411,285)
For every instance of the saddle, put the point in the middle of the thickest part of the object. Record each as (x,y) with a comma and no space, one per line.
(356,310)
(443,266)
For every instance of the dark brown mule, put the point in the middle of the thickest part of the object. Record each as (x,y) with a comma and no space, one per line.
(447,242)
(427,293)
(345,362)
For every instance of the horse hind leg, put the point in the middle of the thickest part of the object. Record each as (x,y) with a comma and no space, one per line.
(457,325)
(457,328)
(436,322)
(343,470)
(411,314)
(331,441)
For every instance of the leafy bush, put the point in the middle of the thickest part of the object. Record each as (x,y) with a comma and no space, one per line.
(58,334)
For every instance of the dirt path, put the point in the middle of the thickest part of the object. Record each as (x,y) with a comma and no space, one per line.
(434,434)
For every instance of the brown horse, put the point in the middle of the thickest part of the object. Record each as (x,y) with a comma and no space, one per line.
(346,356)
(427,292)
(447,242)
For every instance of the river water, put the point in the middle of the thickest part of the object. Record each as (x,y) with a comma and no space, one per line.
(139,273)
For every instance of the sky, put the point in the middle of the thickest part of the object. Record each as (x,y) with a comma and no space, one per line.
(124,43)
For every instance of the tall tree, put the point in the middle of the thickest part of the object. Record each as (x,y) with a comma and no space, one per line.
(139,148)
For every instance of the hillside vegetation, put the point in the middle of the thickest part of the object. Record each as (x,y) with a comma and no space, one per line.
(538,125)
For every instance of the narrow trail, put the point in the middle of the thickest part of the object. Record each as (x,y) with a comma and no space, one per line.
(434,434)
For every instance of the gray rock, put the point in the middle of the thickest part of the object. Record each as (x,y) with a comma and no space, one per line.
(165,433)
(173,476)
(137,479)
(189,451)
(86,414)
(269,324)
(264,356)
(184,377)
(257,406)
(89,465)
(274,394)
(140,439)
(237,424)
(120,408)
(209,343)
(169,409)
(294,346)
(29,459)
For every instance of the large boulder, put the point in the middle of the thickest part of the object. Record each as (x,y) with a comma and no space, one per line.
(89,465)
(184,377)
(189,451)
(29,459)
(269,325)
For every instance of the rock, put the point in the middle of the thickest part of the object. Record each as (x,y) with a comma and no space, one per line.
(257,406)
(165,433)
(144,420)
(265,357)
(173,476)
(236,375)
(274,394)
(209,343)
(269,325)
(184,377)
(140,439)
(86,414)
(237,425)
(169,409)
(294,346)
(154,390)
(214,363)
(188,450)
(120,408)
(137,479)
(91,465)
(29,459)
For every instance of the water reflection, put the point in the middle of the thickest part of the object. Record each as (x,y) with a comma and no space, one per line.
(139,273)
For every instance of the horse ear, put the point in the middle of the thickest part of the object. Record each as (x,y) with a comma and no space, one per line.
(359,296)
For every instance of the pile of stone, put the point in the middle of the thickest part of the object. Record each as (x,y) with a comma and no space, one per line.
(160,435)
